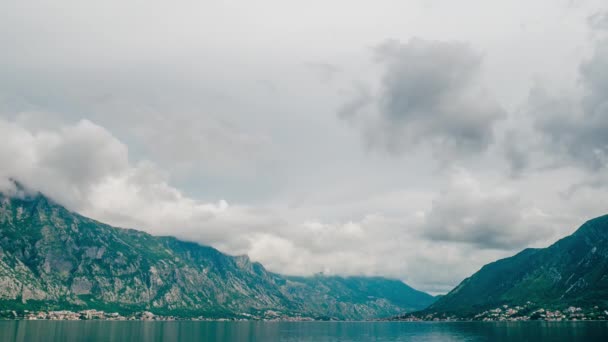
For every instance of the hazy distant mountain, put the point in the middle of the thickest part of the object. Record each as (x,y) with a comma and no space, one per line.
(573,271)
(53,258)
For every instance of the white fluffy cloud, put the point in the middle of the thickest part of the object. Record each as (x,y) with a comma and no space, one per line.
(87,169)
(66,162)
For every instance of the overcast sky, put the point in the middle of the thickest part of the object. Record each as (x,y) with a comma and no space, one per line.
(410,139)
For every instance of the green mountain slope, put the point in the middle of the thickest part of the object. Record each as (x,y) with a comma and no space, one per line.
(573,271)
(51,258)
(329,294)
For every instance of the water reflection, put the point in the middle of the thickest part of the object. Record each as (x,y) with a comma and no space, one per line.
(19,331)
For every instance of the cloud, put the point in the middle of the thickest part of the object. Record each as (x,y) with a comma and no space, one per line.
(233,140)
(430,94)
(598,21)
(65,163)
(497,219)
(518,157)
(87,169)
(326,72)
(572,126)
(374,245)
(189,141)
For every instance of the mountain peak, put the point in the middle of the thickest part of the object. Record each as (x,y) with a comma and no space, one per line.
(598,225)
(11,187)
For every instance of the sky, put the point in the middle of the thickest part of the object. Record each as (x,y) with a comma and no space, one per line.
(416,140)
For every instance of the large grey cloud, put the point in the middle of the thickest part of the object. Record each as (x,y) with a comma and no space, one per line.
(572,126)
(429,94)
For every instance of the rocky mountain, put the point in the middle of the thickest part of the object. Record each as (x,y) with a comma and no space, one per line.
(350,296)
(52,258)
(572,271)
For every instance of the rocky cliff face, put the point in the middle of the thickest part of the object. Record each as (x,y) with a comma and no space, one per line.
(53,258)
(573,271)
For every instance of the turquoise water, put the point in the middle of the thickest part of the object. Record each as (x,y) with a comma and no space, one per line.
(300,331)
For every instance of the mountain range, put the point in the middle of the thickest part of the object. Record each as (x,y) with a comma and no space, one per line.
(54,259)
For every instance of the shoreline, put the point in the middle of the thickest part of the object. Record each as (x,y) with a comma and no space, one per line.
(296,321)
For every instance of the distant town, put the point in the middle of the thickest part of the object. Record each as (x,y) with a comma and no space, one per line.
(67,315)
(526,312)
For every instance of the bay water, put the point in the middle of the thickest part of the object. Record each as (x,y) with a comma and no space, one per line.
(93,331)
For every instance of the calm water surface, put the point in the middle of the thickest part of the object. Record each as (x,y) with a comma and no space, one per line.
(304,331)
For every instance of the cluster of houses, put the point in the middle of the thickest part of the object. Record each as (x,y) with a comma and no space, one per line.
(525,312)
(91,315)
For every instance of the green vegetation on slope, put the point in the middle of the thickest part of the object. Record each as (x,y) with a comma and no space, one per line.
(573,271)
(51,258)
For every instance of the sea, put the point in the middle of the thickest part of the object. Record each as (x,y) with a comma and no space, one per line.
(131,331)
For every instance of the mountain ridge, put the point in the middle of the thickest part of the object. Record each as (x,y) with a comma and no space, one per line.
(571,271)
(51,257)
